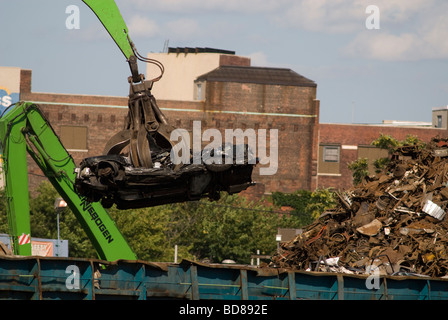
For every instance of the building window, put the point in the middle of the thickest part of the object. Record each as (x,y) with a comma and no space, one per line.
(331,154)
(74,137)
(439,121)
(329,160)
(199,91)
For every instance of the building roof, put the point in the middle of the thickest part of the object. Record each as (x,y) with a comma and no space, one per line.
(198,50)
(260,75)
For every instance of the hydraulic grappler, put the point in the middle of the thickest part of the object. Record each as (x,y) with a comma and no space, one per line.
(136,168)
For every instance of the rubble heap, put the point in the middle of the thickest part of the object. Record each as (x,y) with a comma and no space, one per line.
(394,221)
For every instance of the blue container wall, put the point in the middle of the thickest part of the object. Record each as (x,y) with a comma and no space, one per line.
(42,278)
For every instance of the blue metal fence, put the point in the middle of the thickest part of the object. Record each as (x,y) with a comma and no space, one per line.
(47,278)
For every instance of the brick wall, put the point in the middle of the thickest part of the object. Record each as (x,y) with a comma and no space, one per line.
(290,109)
(362,135)
(231,60)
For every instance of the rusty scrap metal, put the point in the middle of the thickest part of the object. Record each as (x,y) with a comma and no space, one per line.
(4,250)
(395,219)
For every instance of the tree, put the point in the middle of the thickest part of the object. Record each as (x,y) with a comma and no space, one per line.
(231,228)
(359,167)
(386,142)
(390,144)
(307,205)
(43,221)
(321,200)
(360,170)
(147,231)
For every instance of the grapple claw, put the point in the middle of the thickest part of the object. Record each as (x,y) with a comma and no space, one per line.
(136,169)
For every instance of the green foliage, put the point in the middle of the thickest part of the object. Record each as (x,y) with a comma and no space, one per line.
(380,164)
(3,216)
(360,170)
(386,142)
(321,200)
(146,231)
(307,205)
(231,228)
(43,220)
(412,140)
(390,144)
(43,217)
(359,167)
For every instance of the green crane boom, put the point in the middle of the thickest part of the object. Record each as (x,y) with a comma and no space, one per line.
(110,16)
(24,130)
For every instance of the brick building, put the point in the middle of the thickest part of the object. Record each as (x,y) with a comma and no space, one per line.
(340,144)
(236,96)
(268,98)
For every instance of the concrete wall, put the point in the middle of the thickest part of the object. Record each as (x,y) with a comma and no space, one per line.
(9,86)
(443,114)
(181,69)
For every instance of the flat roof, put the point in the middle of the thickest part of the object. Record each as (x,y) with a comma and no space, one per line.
(198,50)
(440,108)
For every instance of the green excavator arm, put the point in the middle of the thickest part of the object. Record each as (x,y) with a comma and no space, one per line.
(109,15)
(24,130)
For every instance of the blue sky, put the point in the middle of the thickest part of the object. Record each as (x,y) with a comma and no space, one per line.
(397,72)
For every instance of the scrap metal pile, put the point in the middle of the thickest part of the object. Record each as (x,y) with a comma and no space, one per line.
(393,221)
